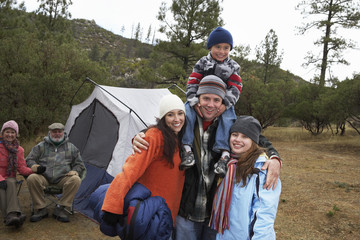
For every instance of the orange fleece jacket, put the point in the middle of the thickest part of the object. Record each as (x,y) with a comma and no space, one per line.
(151,169)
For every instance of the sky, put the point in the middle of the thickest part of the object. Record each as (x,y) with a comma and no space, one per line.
(247,21)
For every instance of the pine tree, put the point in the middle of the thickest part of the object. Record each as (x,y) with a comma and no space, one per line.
(334,14)
(191,23)
(267,54)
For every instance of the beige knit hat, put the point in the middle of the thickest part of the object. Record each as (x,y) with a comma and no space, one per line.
(170,102)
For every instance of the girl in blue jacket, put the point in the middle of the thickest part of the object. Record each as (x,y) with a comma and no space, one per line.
(242,209)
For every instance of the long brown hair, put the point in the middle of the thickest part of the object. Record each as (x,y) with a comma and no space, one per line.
(172,142)
(245,165)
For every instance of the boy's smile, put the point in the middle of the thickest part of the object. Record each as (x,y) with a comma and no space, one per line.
(220,51)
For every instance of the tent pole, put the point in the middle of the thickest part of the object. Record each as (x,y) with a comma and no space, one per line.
(88,79)
(175,85)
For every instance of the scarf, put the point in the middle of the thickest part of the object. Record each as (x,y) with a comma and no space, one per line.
(12,148)
(219,219)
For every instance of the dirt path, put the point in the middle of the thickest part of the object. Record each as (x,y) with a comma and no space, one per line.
(316,177)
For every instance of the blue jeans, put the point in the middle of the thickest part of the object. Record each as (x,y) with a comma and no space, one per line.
(189,230)
(226,120)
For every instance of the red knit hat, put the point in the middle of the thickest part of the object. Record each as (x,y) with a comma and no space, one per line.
(10,124)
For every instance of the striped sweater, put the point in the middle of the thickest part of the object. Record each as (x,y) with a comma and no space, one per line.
(228,71)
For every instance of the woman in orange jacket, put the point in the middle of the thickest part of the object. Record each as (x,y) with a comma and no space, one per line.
(157,168)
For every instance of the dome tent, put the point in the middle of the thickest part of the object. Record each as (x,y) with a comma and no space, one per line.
(102,128)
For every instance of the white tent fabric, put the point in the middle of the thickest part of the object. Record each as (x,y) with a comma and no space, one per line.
(123,103)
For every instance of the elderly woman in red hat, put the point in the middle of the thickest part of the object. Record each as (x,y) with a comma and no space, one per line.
(11,162)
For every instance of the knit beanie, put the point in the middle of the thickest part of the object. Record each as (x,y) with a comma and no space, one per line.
(212,84)
(248,126)
(219,35)
(10,124)
(169,103)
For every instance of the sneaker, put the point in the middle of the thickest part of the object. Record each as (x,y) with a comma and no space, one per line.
(60,214)
(220,167)
(38,215)
(187,160)
(12,219)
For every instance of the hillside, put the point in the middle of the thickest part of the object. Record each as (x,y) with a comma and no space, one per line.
(90,35)
(95,38)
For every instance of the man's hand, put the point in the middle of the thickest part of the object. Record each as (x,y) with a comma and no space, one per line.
(221,110)
(34,168)
(139,143)
(40,169)
(273,166)
(72,173)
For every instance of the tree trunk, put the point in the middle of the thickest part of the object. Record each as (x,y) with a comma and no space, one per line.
(326,47)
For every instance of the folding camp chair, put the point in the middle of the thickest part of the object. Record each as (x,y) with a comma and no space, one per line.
(19,183)
(52,194)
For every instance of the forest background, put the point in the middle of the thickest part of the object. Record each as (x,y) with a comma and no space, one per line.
(45,57)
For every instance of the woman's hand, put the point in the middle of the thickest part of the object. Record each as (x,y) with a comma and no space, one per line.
(3,184)
(111,218)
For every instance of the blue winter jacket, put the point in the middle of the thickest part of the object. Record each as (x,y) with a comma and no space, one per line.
(145,217)
(253,209)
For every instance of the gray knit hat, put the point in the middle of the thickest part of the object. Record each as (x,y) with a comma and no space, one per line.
(212,84)
(248,126)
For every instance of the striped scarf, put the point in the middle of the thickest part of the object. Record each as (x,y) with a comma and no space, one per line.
(12,147)
(219,219)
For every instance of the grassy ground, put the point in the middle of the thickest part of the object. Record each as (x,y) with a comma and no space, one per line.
(320,195)
(319,200)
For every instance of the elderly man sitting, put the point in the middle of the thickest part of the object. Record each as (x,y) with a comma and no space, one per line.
(64,168)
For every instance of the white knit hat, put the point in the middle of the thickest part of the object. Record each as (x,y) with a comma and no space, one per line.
(170,102)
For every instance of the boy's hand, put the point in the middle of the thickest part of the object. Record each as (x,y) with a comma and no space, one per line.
(221,110)
(197,110)
(139,143)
